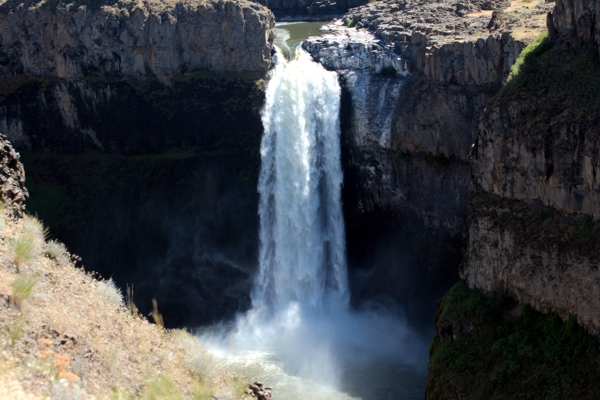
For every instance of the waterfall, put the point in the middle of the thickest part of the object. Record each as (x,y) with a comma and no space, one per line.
(300,335)
(302,251)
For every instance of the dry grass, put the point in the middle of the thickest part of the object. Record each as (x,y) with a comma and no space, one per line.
(66,335)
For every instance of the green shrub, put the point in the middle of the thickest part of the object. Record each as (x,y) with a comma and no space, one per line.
(530,54)
(536,356)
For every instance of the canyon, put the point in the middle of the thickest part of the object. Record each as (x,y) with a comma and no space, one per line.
(463,157)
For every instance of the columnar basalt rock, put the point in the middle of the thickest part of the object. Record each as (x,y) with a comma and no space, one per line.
(75,40)
(535,254)
(70,63)
(451,76)
(576,19)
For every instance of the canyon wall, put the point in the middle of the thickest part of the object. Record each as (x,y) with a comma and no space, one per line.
(535,165)
(416,78)
(313,10)
(67,62)
(139,129)
(74,40)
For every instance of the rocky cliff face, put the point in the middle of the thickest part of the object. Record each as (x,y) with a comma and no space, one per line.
(12,176)
(304,10)
(70,63)
(536,254)
(416,78)
(443,74)
(139,128)
(533,217)
(76,40)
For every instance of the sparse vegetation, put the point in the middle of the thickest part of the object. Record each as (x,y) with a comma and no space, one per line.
(156,316)
(57,251)
(23,249)
(110,292)
(34,228)
(351,23)
(77,340)
(22,288)
(479,352)
(15,329)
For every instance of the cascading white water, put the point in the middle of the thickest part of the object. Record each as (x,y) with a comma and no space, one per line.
(302,250)
(300,335)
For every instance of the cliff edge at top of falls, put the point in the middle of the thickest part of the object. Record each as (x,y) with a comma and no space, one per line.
(72,40)
(454,43)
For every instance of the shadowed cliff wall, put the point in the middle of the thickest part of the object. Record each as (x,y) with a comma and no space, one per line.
(140,131)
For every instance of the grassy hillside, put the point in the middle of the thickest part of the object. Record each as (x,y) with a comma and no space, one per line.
(66,335)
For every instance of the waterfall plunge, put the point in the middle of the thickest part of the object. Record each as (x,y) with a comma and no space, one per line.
(302,253)
(300,336)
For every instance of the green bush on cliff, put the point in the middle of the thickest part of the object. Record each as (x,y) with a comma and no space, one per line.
(485,350)
(530,55)
(556,78)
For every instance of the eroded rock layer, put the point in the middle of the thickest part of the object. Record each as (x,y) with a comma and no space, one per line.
(74,40)
(533,215)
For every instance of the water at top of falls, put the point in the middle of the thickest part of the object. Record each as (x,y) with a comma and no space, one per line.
(302,250)
(290,35)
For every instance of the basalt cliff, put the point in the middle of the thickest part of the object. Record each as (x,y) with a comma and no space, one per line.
(532,239)
(534,206)
(139,129)
(416,79)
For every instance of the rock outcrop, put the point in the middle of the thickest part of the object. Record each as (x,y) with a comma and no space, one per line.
(537,255)
(305,10)
(454,43)
(533,214)
(75,40)
(12,178)
(419,76)
(575,19)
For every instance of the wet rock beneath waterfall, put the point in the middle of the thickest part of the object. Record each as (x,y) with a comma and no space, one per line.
(258,391)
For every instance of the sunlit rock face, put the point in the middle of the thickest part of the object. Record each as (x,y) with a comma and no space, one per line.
(66,67)
(533,214)
(71,41)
